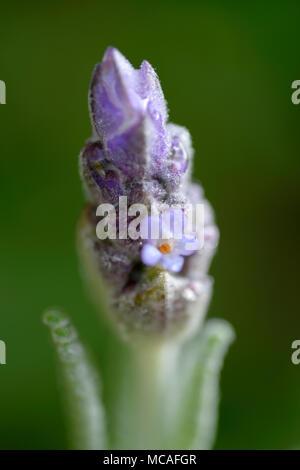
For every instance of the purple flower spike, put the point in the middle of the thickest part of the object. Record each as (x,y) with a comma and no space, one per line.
(153,284)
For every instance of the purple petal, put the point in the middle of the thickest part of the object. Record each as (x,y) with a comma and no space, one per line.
(129,114)
(150,255)
(150,89)
(101,178)
(112,97)
(188,245)
(173,263)
(128,150)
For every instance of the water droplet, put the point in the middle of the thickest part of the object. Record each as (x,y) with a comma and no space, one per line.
(179,156)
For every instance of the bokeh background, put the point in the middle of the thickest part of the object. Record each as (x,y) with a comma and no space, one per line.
(226,69)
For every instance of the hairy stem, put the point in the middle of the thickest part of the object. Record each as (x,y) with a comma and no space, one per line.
(82,386)
(155,373)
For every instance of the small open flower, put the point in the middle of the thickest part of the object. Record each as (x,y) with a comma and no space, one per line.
(167,240)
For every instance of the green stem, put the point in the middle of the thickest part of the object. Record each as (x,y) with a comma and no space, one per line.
(155,369)
(81,382)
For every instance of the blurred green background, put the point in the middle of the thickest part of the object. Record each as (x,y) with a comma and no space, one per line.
(226,69)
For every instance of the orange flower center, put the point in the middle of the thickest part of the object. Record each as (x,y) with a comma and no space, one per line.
(165,248)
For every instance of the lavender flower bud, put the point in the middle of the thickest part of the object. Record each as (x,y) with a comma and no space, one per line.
(151,287)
